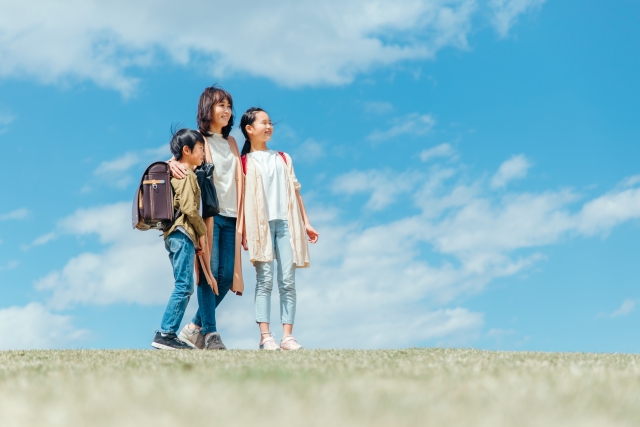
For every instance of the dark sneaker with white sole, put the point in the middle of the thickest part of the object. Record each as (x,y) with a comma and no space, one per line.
(213,341)
(168,342)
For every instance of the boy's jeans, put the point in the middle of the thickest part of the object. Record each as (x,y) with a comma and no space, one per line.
(286,276)
(223,255)
(182,253)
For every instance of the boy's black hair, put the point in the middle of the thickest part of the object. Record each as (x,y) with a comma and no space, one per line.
(182,138)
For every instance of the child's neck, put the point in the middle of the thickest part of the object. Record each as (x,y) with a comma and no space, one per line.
(187,165)
(259,146)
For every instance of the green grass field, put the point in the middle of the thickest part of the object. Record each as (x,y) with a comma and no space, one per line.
(413,387)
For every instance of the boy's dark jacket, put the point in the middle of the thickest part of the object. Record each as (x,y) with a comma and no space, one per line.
(187,199)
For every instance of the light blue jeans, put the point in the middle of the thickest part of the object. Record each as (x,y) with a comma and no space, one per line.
(286,277)
(182,254)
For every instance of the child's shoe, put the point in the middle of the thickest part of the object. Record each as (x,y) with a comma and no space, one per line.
(268,342)
(289,343)
(192,337)
(213,342)
(168,342)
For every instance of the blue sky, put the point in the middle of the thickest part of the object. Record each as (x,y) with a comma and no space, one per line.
(471,166)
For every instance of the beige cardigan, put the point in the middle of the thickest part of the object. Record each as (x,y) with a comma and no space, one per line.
(238,283)
(257,223)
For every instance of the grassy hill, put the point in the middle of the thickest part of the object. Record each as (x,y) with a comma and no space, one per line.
(412,387)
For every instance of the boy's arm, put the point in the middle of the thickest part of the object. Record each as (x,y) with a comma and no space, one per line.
(185,190)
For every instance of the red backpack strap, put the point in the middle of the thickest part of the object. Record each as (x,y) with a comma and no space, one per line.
(283,157)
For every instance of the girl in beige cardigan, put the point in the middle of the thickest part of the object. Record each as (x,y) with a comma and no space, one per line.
(276,223)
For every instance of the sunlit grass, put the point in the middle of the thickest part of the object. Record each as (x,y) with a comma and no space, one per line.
(421,387)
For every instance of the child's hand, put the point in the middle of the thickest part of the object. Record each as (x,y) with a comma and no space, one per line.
(312,233)
(244,243)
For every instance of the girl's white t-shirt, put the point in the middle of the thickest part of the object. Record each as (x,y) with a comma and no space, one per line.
(224,174)
(271,168)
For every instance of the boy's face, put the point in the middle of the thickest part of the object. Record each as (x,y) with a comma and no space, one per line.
(195,157)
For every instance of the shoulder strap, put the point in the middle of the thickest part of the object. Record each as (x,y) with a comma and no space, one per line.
(283,156)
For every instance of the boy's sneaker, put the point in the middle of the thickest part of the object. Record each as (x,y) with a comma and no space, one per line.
(192,337)
(268,342)
(168,342)
(213,342)
(289,343)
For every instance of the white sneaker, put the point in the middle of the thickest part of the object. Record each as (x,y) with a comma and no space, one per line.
(268,342)
(192,337)
(289,343)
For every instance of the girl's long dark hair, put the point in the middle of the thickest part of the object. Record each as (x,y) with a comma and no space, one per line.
(210,97)
(248,118)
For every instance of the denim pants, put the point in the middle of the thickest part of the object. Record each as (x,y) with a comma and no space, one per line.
(280,237)
(182,253)
(223,254)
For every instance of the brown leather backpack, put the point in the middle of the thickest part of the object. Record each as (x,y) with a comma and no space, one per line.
(153,202)
(153,210)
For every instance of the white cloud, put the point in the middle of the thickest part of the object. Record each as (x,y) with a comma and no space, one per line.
(10,265)
(412,124)
(385,186)
(627,307)
(609,210)
(378,107)
(6,119)
(442,150)
(121,164)
(514,168)
(133,268)
(17,214)
(34,327)
(481,232)
(506,12)
(309,151)
(42,240)
(118,172)
(300,43)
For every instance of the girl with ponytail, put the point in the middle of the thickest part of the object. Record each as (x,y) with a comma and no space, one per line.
(215,120)
(276,223)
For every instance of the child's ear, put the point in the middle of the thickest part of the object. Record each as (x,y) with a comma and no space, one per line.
(186,151)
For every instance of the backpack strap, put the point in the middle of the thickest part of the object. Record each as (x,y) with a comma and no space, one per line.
(283,156)
(244,161)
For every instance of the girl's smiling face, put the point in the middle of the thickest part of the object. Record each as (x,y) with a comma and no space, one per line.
(220,114)
(261,129)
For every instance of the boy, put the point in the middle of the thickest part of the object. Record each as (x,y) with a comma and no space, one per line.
(185,238)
